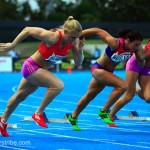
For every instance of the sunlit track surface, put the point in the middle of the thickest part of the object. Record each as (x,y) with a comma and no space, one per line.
(94,134)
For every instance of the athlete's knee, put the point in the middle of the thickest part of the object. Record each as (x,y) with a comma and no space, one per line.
(59,86)
(123,87)
(129,97)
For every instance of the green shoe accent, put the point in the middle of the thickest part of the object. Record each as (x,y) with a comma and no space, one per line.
(74,123)
(76,128)
(105,116)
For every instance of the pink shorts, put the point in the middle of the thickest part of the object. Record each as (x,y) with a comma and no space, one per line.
(29,67)
(132,65)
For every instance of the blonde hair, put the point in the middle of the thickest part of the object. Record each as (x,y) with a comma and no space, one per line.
(72,25)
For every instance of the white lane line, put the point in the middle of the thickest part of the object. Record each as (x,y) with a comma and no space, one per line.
(86,139)
(31,106)
(144,143)
(9,147)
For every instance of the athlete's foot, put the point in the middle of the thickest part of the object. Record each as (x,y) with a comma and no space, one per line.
(3,127)
(112,125)
(105,117)
(39,119)
(74,122)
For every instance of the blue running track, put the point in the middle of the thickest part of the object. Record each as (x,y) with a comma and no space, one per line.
(95,135)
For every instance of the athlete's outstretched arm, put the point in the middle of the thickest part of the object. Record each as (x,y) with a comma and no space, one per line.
(77,51)
(141,55)
(35,32)
(104,35)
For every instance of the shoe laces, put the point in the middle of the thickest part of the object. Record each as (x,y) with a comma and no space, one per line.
(73,120)
(105,114)
(3,125)
(39,116)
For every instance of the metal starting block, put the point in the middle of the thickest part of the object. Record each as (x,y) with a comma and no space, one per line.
(52,120)
(66,116)
(133,115)
(12,126)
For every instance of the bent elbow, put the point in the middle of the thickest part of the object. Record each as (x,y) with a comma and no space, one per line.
(26,30)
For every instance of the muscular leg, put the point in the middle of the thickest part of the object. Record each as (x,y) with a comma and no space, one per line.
(112,80)
(24,89)
(94,88)
(144,82)
(140,93)
(27,86)
(47,79)
(101,79)
(131,78)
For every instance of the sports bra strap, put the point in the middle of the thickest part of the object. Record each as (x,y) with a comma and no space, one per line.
(121,41)
(60,36)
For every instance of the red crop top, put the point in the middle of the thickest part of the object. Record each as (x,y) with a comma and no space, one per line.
(147,46)
(54,53)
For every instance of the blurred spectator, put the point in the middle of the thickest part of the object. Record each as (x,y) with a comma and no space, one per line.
(14,54)
(97,52)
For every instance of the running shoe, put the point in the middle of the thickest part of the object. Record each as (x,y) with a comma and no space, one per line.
(105,117)
(112,125)
(74,122)
(3,127)
(39,119)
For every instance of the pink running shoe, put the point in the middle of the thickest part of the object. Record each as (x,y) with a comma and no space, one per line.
(39,119)
(3,127)
(112,125)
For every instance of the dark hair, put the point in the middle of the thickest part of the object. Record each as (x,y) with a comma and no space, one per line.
(130,34)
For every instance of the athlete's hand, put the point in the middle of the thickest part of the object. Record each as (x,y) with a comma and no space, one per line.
(147,50)
(81,44)
(6,47)
(145,53)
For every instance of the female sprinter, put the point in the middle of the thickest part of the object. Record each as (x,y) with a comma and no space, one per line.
(135,73)
(118,50)
(55,46)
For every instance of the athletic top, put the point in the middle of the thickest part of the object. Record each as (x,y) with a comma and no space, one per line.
(120,54)
(53,53)
(147,46)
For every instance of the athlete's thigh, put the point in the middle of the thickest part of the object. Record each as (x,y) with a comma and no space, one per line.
(107,78)
(25,87)
(95,86)
(43,78)
(131,79)
(144,82)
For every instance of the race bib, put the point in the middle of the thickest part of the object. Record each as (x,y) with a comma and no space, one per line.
(120,57)
(54,58)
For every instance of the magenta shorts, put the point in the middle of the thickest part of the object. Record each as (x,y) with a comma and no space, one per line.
(132,65)
(97,66)
(29,67)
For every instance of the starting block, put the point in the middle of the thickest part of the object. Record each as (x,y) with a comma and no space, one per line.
(51,120)
(133,115)
(12,126)
(66,116)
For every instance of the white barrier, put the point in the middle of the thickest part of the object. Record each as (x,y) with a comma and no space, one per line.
(6,64)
